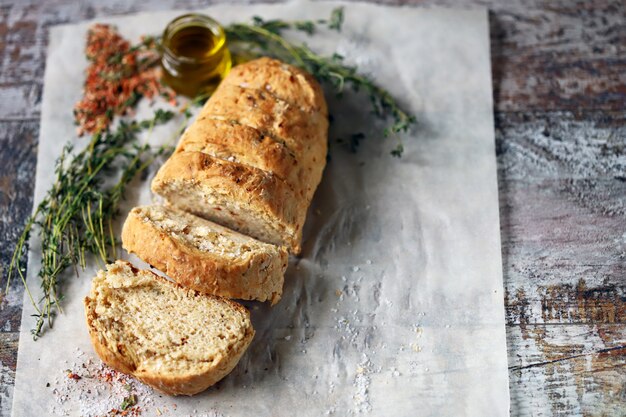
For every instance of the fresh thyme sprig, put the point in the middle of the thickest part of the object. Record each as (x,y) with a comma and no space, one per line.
(75,217)
(266,37)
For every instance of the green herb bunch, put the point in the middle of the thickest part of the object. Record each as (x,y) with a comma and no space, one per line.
(265,37)
(75,217)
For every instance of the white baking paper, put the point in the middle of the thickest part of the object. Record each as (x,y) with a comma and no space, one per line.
(396,305)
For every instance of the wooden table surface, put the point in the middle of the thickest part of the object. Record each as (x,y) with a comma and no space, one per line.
(559,81)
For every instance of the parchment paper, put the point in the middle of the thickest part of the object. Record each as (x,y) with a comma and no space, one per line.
(396,305)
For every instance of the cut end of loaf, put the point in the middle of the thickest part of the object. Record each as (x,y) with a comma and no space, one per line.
(222,209)
(174,339)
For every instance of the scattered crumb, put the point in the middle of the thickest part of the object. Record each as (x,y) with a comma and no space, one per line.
(361,384)
(91,389)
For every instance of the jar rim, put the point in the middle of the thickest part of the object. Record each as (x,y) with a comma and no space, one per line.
(194,18)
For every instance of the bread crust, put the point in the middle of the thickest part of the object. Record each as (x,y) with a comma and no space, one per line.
(303,133)
(256,276)
(238,143)
(169,384)
(285,81)
(260,191)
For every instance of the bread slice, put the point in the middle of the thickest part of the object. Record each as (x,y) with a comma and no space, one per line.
(249,200)
(204,256)
(284,81)
(172,338)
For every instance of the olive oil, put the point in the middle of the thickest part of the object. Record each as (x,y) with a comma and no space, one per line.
(195,42)
(195,57)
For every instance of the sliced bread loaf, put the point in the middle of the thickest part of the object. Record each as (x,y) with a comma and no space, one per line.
(249,200)
(253,158)
(175,339)
(205,256)
(303,134)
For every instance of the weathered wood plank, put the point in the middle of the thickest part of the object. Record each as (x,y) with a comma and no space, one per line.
(21,45)
(562,202)
(567,370)
(563,216)
(20,101)
(8,360)
(17,170)
(563,235)
(559,55)
(563,263)
(16,189)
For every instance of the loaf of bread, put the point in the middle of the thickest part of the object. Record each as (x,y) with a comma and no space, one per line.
(174,339)
(255,155)
(250,162)
(305,134)
(205,256)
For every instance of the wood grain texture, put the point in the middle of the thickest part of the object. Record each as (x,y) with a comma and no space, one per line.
(567,370)
(17,165)
(559,80)
(563,222)
(8,360)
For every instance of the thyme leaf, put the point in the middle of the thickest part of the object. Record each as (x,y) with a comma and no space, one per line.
(397,152)
(128,402)
(336,19)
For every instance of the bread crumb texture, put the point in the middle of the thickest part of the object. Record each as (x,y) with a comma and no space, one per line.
(200,233)
(175,339)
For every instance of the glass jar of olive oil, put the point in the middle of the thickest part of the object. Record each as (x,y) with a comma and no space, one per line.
(195,57)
